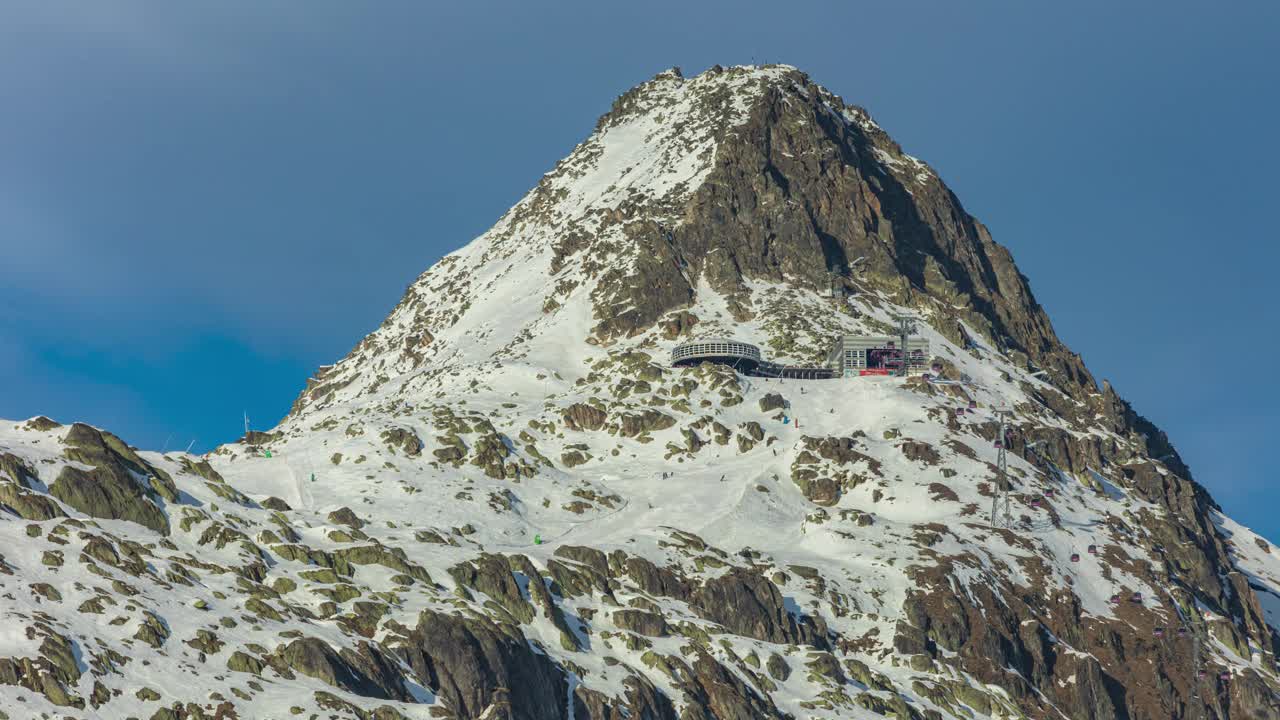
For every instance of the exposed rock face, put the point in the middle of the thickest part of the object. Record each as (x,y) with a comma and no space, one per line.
(14,469)
(26,504)
(53,673)
(42,423)
(403,439)
(256,438)
(368,674)
(346,516)
(581,416)
(642,701)
(491,575)
(828,467)
(714,693)
(476,665)
(748,604)
(639,621)
(772,401)
(110,489)
(778,175)
(647,421)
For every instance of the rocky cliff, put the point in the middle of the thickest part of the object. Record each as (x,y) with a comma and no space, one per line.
(503,503)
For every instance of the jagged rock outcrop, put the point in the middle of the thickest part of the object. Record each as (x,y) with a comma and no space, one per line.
(366,672)
(112,488)
(478,667)
(715,693)
(748,604)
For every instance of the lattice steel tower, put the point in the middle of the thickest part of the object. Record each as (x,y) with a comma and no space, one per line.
(906,328)
(1000,497)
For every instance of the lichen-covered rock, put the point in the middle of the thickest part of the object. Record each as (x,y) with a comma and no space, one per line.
(639,621)
(402,439)
(346,516)
(475,664)
(245,663)
(492,575)
(105,493)
(778,668)
(633,424)
(642,700)
(828,467)
(573,458)
(920,452)
(14,469)
(26,504)
(772,401)
(153,631)
(713,692)
(53,673)
(749,604)
(112,488)
(42,423)
(275,503)
(368,672)
(581,416)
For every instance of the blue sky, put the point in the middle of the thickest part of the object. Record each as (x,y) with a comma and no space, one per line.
(200,205)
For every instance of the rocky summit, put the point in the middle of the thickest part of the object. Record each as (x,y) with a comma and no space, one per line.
(506,503)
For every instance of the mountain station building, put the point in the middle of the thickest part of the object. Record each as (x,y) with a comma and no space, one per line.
(850,356)
(855,355)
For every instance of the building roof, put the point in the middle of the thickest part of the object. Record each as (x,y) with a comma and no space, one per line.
(879,339)
(699,341)
(715,347)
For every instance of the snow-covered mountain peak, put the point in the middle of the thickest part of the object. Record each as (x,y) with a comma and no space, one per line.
(505,503)
(691,197)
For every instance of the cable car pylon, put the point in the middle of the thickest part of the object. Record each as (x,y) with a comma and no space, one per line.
(1000,512)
